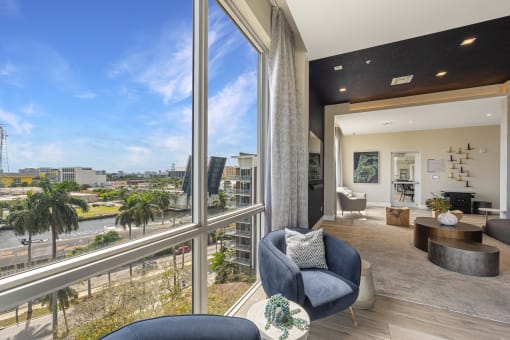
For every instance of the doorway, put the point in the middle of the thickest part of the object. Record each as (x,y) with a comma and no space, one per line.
(405,172)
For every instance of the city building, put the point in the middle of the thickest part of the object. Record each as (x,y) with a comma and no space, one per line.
(80,175)
(243,188)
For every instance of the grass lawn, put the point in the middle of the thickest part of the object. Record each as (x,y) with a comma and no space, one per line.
(97,211)
(36,312)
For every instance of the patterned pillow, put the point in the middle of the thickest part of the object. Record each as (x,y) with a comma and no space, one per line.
(306,250)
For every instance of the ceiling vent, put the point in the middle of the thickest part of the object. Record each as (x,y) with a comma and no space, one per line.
(402,80)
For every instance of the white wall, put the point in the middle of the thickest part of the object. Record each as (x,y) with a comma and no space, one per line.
(484,168)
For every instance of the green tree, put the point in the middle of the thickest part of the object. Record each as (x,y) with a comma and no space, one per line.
(161,199)
(143,211)
(221,201)
(125,218)
(63,297)
(24,220)
(55,207)
(67,186)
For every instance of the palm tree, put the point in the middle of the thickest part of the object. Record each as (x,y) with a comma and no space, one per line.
(125,218)
(221,201)
(161,199)
(143,210)
(63,298)
(24,220)
(55,207)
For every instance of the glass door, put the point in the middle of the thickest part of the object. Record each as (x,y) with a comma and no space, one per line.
(405,179)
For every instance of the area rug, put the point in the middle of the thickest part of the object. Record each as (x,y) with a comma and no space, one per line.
(402,271)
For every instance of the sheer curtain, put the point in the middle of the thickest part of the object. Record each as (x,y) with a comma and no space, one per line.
(287,158)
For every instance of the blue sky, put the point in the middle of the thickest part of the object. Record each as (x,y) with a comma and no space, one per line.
(107,84)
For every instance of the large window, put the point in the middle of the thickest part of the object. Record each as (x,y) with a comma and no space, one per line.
(96,100)
(108,123)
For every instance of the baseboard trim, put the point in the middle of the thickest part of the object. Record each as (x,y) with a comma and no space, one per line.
(328,217)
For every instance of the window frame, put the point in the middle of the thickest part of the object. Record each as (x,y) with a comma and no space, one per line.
(29,285)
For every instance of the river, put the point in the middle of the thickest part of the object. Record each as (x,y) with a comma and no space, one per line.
(87,228)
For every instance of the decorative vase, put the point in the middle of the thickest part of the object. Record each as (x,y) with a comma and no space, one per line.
(447,218)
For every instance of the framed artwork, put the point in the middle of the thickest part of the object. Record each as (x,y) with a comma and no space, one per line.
(366,167)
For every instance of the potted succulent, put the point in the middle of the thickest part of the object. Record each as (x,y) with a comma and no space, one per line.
(437,204)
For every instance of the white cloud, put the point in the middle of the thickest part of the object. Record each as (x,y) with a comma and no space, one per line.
(165,67)
(9,8)
(137,155)
(30,109)
(227,108)
(85,95)
(7,69)
(14,121)
(51,153)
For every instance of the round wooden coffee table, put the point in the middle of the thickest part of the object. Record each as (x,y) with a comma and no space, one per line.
(428,227)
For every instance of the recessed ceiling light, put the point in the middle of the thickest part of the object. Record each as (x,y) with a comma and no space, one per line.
(441,74)
(468,41)
(368,61)
(343,89)
(488,115)
(338,68)
(389,122)
(402,80)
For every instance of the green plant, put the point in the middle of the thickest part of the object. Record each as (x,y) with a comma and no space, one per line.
(438,204)
(278,314)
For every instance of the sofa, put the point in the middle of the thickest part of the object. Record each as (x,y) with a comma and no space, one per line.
(499,228)
(187,327)
(351,201)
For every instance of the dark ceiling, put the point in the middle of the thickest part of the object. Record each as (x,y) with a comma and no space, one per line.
(485,62)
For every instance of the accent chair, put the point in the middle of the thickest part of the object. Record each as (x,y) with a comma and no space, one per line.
(321,292)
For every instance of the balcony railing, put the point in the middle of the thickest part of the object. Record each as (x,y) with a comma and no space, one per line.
(243,192)
(239,260)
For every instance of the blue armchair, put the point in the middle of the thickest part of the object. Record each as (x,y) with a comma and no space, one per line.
(188,327)
(320,292)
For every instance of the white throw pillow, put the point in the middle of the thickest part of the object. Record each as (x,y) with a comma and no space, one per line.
(306,250)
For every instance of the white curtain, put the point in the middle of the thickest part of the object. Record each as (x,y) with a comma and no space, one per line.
(287,158)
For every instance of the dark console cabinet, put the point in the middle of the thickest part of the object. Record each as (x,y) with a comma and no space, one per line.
(460,200)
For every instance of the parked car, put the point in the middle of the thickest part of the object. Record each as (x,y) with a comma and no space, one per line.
(181,249)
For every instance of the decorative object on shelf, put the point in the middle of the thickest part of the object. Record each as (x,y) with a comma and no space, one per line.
(450,150)
(451,158)
(447,218)
(459,178)
(451,175)
(467,156)
(461,170)
(460,160)
(279,315)
(453,167)
(467,185)
(469,147)
(437,204)
(459,152)
(483,150)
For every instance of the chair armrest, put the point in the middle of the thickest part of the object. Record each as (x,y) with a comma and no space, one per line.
(279,274)
(342,259)
(359,194)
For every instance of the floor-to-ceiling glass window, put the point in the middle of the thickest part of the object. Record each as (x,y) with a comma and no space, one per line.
(97,165)
(232,150)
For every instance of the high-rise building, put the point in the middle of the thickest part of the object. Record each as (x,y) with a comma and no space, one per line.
(244,193)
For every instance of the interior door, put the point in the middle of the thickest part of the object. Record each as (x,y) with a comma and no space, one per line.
(405,172)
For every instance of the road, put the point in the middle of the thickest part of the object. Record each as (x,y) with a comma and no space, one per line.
(40,328)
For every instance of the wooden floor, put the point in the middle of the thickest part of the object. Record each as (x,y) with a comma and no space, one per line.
(399,320)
